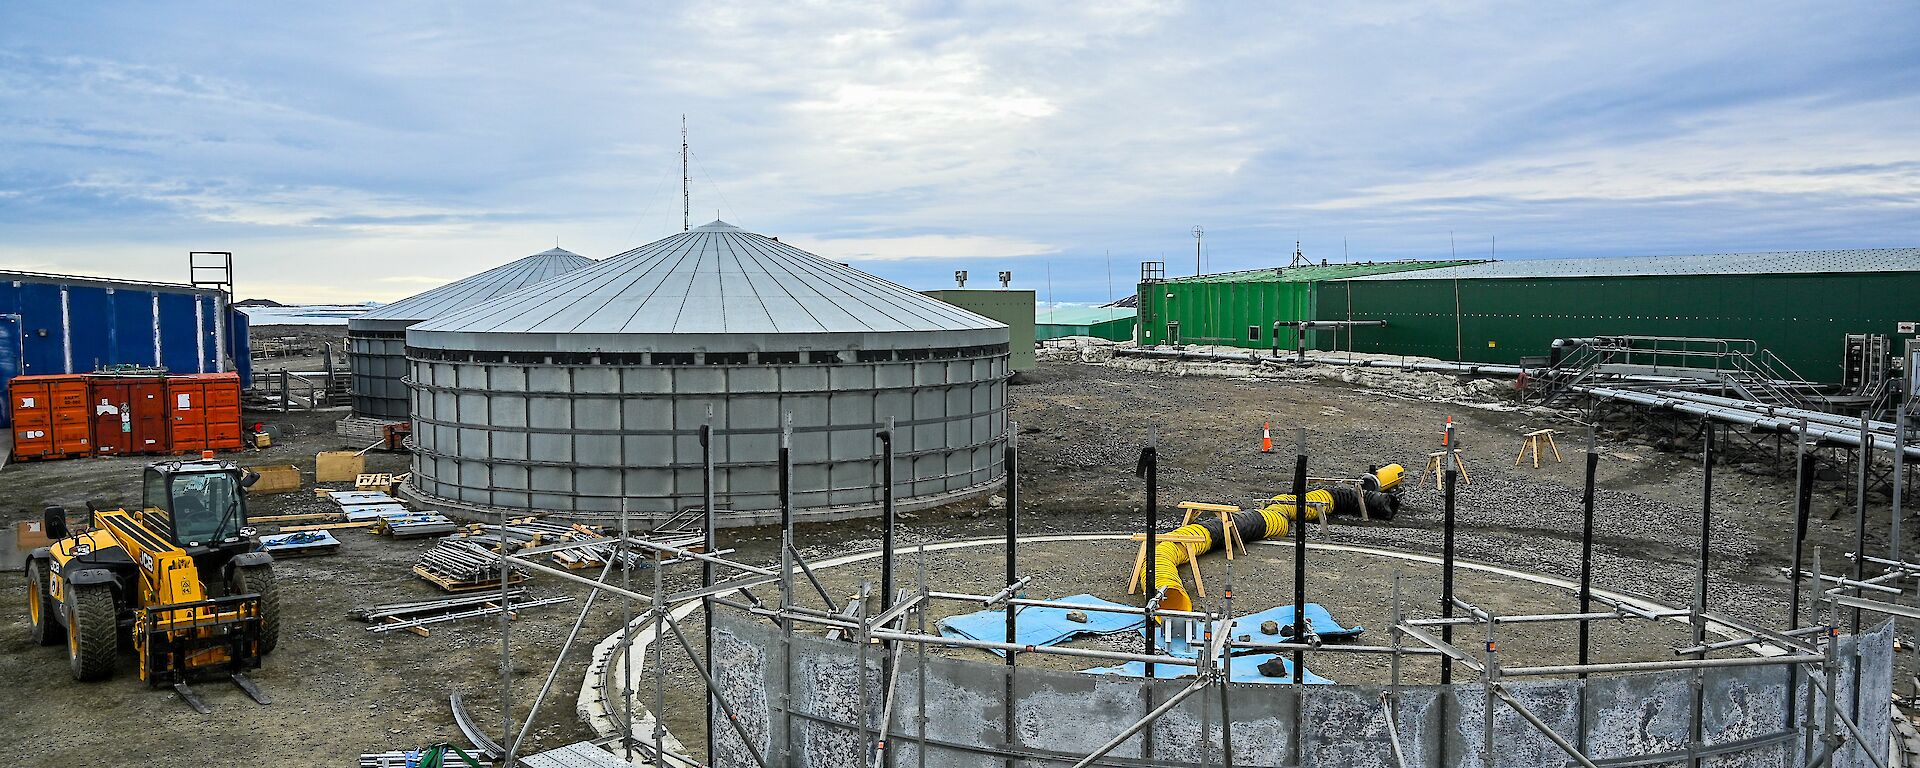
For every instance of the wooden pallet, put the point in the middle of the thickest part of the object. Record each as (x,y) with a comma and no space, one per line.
(449,585)
(300,518)
(286,553)
(326,526)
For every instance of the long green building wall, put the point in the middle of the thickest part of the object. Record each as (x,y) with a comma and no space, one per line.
(1801,317)
(1118,329)
(1239,308)
(1222,313)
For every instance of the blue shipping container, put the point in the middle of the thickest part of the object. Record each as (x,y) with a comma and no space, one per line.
(53,324)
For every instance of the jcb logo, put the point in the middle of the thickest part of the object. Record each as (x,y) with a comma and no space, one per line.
(146,560)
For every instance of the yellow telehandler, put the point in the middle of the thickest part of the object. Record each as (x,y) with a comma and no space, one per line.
(181,578)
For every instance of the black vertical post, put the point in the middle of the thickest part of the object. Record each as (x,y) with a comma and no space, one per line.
(1860,544)
(1706,532)
(1299,557)
(1150,469)
(888,519)
(1586,546)
(1698,735)
(785,490)
(709,544)
(1295,747)
(1860,517)
(1446,573)
(887,516)
(1013,573)
(1803,509)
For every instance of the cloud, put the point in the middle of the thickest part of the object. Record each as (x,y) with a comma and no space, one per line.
(912,247)
(329,146)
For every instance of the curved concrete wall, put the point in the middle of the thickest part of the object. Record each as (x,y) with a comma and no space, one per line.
(571,434)
(1631,719)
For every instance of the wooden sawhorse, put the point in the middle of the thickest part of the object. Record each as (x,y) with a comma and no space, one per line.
(1191,542)
(1437,466)
(1229,535)
(1533,440)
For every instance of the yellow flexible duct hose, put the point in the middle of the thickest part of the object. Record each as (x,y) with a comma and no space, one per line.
(1168,556)
(1285,506)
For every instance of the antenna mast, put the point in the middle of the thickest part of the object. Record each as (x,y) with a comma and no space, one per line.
(686,199)
(1198,232)
(1299,259)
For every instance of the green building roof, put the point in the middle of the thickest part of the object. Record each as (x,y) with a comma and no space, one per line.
(1760,263)
(1320,272)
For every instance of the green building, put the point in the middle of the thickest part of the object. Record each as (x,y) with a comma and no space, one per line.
(1239,308)
(1110,323)
(1799,305)
(1007,305)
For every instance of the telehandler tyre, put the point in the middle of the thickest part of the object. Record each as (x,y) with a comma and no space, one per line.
(93,631)
(43,627)
(259,579)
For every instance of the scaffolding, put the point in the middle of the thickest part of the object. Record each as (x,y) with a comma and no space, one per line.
(891,622)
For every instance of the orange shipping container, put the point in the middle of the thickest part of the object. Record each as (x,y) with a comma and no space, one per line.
(129,414)
(50,417)
(204,412)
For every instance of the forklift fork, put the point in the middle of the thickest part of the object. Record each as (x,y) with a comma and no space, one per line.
(240,679)
(233,630)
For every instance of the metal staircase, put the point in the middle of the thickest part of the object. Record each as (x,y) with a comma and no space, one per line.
(1727,367)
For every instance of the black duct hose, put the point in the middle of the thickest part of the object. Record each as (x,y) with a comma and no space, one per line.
(1348,501)
(1251,524)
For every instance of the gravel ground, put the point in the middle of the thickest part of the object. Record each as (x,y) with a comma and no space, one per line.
(341,690)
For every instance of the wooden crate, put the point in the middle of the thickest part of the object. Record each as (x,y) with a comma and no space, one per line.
(338,466)
(276,478)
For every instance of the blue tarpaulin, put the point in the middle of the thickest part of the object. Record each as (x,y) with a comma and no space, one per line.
(1317,615)
(1246,669)
(298,541)
(1041,626)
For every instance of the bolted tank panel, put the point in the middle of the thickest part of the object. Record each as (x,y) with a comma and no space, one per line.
(377,364)
(567,438)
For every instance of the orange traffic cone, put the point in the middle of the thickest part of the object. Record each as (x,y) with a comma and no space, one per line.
(1446,435)
(1266,437)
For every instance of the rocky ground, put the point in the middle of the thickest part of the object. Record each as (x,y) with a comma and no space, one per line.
(341,690)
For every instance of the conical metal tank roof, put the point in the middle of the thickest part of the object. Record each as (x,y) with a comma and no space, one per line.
(499,281)
(714,288)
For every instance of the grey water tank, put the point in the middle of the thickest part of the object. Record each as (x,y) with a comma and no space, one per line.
(376,340)
(568,396)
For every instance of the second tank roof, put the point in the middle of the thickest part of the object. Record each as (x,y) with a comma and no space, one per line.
(466,292)
(713,279)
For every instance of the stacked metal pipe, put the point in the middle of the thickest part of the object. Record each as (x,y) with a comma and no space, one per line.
(408,616)
(464,560)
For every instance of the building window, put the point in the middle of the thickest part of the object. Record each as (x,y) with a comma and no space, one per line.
(1253,333)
